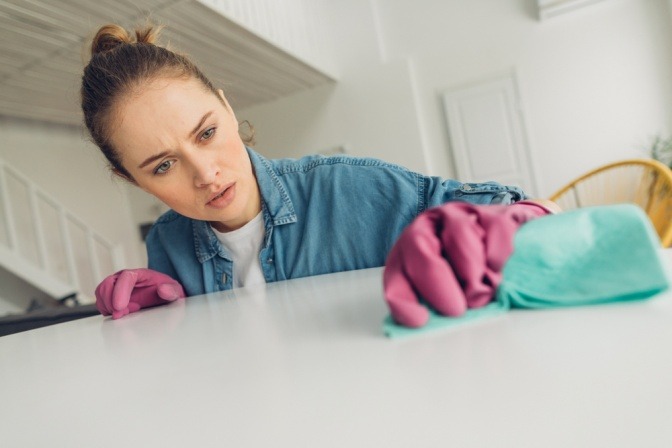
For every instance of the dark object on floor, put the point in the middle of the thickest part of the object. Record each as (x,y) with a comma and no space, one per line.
(15,323)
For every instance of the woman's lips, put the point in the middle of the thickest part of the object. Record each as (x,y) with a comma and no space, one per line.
(223,198)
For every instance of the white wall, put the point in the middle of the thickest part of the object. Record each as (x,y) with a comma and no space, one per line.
(595,83)
(144,208)
(61,161)
(371,110)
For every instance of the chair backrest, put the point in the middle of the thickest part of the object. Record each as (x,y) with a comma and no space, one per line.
(644,182)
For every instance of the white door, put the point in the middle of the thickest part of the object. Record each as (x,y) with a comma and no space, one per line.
(487,134)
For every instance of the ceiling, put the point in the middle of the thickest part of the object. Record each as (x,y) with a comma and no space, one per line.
(43,50)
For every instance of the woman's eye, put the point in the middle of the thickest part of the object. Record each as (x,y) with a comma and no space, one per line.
(165,166)
(208,134)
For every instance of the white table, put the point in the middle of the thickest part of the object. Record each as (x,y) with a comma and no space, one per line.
(304,363)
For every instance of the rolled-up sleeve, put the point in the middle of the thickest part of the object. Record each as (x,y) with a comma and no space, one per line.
(441,191)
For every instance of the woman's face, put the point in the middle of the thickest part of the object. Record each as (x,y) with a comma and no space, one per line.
(181,144)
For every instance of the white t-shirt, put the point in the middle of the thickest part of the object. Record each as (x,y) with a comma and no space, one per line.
(244,245)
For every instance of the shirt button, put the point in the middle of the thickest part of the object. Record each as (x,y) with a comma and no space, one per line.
(224,279)
(466,187)
(270,260)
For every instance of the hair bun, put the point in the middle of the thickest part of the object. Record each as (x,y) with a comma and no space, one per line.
(108,38)
(112,36)
(148,35)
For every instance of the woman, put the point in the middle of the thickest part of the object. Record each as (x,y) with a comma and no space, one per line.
(236,217)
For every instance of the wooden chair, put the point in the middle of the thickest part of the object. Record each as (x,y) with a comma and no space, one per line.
(644,182)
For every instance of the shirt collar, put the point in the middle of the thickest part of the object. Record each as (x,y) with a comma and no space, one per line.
(273,193)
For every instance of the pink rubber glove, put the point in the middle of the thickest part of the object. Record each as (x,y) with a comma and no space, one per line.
(129,290)
(452,256)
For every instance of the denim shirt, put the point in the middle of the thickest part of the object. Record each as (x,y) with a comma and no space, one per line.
(321,215)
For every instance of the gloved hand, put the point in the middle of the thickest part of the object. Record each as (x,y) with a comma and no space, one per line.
(129,290)
(452,257)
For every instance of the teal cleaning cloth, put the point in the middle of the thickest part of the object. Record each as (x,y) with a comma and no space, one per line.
(584,257)
(587,256)
(437,321)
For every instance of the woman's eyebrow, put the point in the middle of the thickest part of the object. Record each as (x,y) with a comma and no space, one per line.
(164,153)
(200,123)
(152,158)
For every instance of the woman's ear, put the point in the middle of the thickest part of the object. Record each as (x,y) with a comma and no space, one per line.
(226,103)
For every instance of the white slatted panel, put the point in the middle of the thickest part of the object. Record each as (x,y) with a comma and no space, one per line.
(293,25)
(46,245)
(254,55)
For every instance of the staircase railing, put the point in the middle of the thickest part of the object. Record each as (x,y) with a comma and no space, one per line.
(46,245)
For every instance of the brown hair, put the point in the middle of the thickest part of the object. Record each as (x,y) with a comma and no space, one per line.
(119,63)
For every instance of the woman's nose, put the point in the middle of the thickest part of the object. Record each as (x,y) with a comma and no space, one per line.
(205,172)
